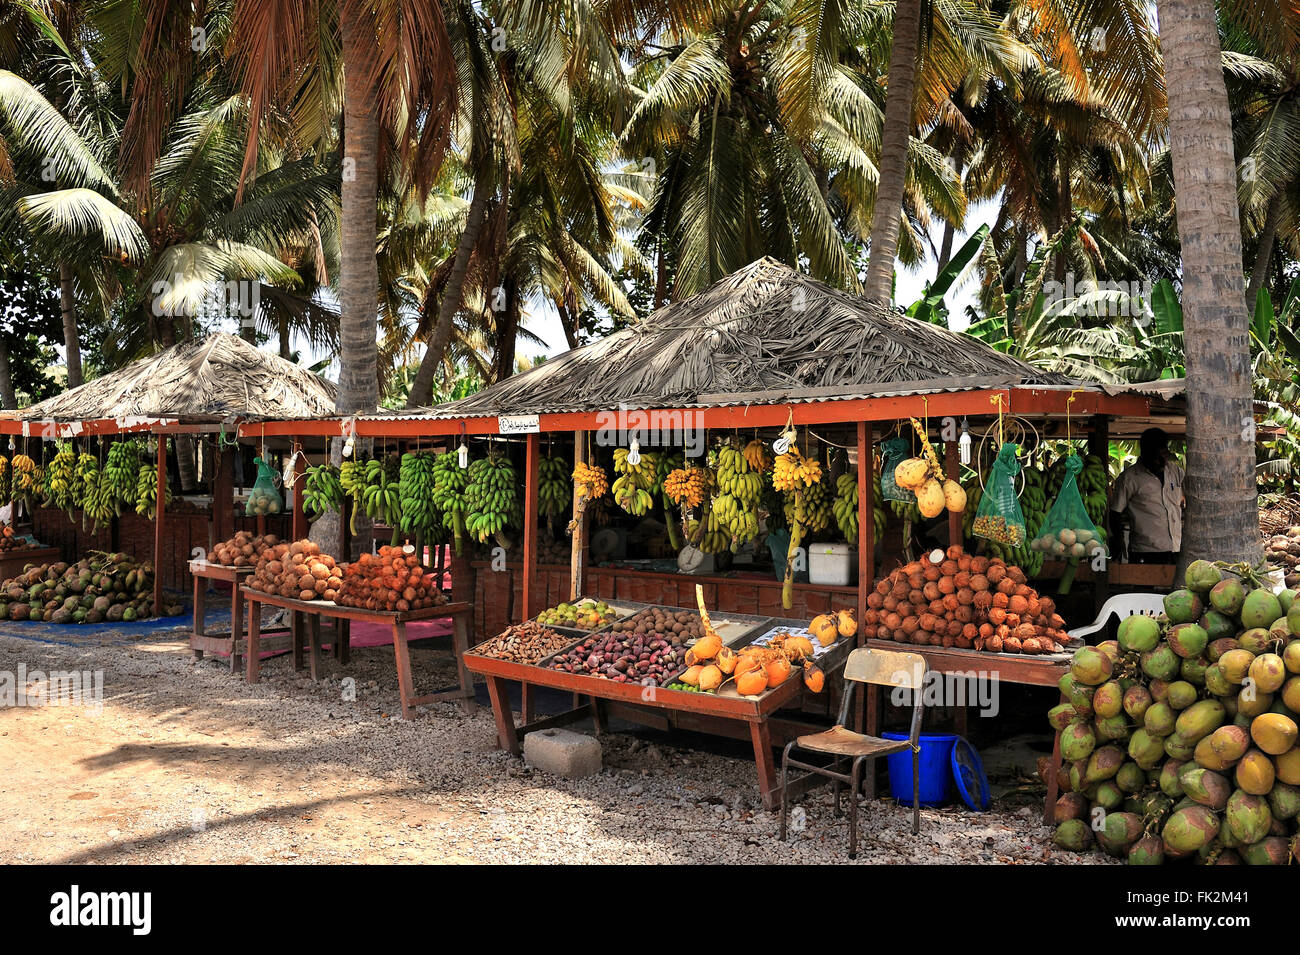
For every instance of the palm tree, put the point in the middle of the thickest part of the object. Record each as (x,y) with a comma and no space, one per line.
(1221,490)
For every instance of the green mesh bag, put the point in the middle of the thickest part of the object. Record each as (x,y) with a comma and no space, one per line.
(999,517)
(1067,530)
(264,499)
(893,453)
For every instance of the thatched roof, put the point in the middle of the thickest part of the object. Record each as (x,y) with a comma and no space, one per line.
(765,333)
(219,377)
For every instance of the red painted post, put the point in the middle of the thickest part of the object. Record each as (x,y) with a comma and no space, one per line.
(532,478)
(159,516)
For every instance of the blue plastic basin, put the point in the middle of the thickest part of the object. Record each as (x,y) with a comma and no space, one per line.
(936,769)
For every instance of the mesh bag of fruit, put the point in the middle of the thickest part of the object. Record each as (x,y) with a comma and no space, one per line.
(999,517)
(264,499)
(1067,530)
(893,453)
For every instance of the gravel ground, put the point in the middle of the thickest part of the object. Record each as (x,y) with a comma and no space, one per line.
(183,763)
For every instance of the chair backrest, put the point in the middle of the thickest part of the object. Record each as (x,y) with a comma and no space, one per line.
(886,668)
(1123,606)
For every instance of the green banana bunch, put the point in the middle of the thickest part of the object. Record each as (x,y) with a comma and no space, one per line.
(99,504)
(449,482)
(632,487)
(6,479)
(669,461)
(146,491)
(415,491)
(321,491)
(492,497)
(381,495)
(846,506)
(121,471)
(810,507)
(554,494)
(709,534)
(740,489)
(61,479)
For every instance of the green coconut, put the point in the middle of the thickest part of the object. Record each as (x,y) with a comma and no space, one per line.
(1199,720)
(1059,716)
(1119,831)
(1236,664)
(1178,748)
(1247,817)
(1170,784)
(1162,663)
(1259,609)
(1131,777)
(1070,806)
(1284,800)
(1090,666)
(1160,719)
(1073,835)
(1139,633)
(1217,648)
(1256,640)
(1108,700)
(1103,763)
(1229,743)
(1227,596)
(1252,703)
(1183,606)
(1193,670)
(1254,773)
(1201,576)
(1077,741)
(1146,749)
(1108,796)
(1137,699)
(1188,640)
(1268,671)
(1190,828)
(1216,682)
(1148,850)
(1181,694)
(1291,656)
(1272,850)
(1112,728)
(1204,786)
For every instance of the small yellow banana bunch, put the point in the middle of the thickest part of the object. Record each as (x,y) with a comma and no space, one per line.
(687,486)
(591,482)
(756,454)
(793,471)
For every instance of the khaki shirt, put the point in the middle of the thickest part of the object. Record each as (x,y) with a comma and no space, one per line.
(1155,508)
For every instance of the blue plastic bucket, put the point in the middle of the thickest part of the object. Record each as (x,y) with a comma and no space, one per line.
(936,769)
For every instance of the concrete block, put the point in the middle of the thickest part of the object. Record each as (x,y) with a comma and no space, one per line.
(563,753)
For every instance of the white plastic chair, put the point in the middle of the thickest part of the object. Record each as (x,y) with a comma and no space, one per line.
(1122,606)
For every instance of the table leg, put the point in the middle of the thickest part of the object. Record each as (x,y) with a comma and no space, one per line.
(313,622)
(507,738)
(345,641)
(405,683)
(253,664)
(236,625)
(875,707)
(200,586)
(597,714)
(766,765)
(460,637)
(1049,807)
(527,703)
(296,627)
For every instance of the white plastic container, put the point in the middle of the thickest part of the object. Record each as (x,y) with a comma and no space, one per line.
(831,564)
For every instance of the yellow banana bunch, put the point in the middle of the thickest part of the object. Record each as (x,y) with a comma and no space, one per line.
(740,488)
(25,480)
(793,470)
(757,456)
(810,507)
(634,481)
(687,486)
(6,479)
(591,481)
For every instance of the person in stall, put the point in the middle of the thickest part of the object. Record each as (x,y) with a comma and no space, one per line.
(1148,501)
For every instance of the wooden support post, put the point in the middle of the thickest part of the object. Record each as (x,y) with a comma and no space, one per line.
(578,554)
(223,493)
(160,513)
(952,468)
(1099,444)
(866,522)
(532,478)
(299,511)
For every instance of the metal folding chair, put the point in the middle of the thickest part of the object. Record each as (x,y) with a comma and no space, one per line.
(882,668)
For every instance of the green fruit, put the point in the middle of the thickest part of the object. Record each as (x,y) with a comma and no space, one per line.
(1107,795)
(1139,633)
(1287,599)
(1160,719)
(1259,609)
(1169,781)
(1217,648)
(1148,850)
(1218,626)
(1108,701)
(1247,817)
(1205,787)
(1229,743)
(1227,596)
(1137,699)
(1181,695)
(1104,763)
(1199,720)
(1273,850)
(1070,806)
(1293,618)
(1193,670)
(1077,741)
(1059,716)
(1073,835)
(1132,778)
(1201,576)
(1119,831)
(1146,749)
(1090,666)
(1161,663)
(1256,640)
(1183,606)
(1188,640)
(1111,727)
(1188,829)
(1284,800)
(1081,699)
(1235,665)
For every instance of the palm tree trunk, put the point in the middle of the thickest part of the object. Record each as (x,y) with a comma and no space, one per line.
(8,400)
(1065,210)
(945,247)
(283,331)
(71,342)
(186,467)
(507,333)
(1264,253)
(359,283)
(1221,517)
(893,151)
(422,388)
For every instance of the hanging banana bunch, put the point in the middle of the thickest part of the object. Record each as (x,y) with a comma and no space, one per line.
(99,505)
(6,479)
(449,480)
(381,497)
(121,472)
(322,491)
(554,495)
(492,498)
(846,506)
(796,476)
(25,479)
(757,456)
(415,492)
(62,478)
(740,489)
(632,486)
(146,491)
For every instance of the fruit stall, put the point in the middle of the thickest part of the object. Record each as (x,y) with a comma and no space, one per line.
(778,449)
(143,464)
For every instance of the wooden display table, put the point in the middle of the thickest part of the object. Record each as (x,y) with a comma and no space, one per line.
(12,562)
(314,610)
(725,713)
(231,642)
(1023,668)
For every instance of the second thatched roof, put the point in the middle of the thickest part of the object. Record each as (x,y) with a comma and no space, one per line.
(764,333)
(213,379)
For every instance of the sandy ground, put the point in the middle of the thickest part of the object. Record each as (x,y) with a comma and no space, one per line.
(183,763)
